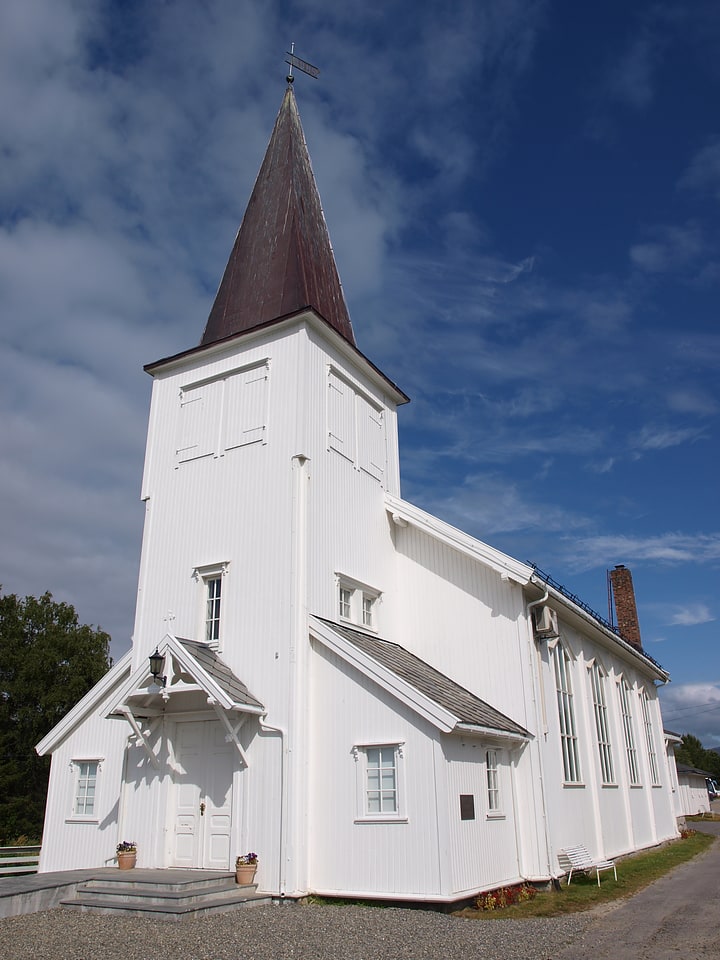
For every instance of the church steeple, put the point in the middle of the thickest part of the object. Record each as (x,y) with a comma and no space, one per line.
(282,261)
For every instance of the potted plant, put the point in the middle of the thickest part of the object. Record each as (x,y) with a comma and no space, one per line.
(126,854)
(245,867)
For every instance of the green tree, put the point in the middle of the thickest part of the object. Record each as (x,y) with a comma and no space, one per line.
(48,661)
(694,754)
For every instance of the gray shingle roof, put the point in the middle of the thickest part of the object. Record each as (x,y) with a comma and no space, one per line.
(220,672)
(468,708)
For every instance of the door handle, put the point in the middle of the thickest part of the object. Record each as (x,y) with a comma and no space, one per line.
(202,808)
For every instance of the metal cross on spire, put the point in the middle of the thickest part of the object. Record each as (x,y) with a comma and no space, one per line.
(303,65)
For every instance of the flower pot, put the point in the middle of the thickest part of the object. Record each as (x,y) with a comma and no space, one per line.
(245,873)
(126,861)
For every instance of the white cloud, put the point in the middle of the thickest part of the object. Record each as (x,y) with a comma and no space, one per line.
(669,248)
(703,171)
(661,438)
(669,548)
(631,79)
(487,505)
(692,400)
(693,708)
(692,615)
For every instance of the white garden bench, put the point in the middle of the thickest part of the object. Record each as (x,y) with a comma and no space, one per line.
(577,858)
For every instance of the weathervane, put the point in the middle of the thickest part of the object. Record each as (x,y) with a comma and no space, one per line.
(303,65)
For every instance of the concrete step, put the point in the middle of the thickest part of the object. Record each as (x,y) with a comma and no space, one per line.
(165,911)
(162,894)
(177,882)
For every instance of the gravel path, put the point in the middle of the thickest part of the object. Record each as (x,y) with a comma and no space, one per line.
(287,933)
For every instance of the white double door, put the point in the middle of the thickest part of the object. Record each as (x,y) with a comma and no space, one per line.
(204,765)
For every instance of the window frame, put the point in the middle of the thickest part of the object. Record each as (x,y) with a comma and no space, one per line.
(213,605)
(76,767)
(626,716)
(205,576)
(598,679)
(345,602)
(363,813)
(493,784)
(650,739)
(367,605)
(354,600)
(562,677)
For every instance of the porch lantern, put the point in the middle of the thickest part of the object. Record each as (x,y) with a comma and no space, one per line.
(157,663)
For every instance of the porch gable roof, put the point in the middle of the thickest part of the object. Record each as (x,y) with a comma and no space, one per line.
(205,667)
(431,693)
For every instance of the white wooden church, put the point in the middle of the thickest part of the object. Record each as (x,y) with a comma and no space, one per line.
(375,702)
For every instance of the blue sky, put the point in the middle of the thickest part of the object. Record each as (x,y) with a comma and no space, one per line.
(523,198)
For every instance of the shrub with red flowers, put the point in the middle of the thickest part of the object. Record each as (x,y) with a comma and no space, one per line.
(505,897)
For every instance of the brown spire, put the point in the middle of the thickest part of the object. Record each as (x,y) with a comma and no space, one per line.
(282,260)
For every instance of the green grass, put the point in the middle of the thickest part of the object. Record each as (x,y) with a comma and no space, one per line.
(634,873)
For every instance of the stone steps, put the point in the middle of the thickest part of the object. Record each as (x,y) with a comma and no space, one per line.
(164,894)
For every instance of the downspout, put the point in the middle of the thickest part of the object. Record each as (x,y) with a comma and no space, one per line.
(270,728)
(295,786)
(540,724)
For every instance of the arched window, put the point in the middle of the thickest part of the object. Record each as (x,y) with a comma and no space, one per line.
(627,720)
(597,681)
(650,738)
(566,714)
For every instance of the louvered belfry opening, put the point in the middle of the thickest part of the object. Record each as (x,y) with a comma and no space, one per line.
(282,261)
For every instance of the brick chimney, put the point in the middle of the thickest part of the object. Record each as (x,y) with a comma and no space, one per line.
(625,609)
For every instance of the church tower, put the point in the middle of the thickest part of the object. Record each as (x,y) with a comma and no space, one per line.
(271,447)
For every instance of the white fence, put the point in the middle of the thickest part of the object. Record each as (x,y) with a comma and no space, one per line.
(18,860)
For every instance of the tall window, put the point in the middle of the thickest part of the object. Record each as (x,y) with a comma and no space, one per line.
(650,739)
(86,772)
(566,714)
(345,602)
(493,781)
(213,585)
(382,785)
(627,720)
(597,680)
(368,605)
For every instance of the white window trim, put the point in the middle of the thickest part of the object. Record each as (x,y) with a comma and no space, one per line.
(628,725)
(567,717)
(598,677)
(494,813)
(222,378)
(359,593)
(74,767)
(646,709)
(359,752)
(203,574)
